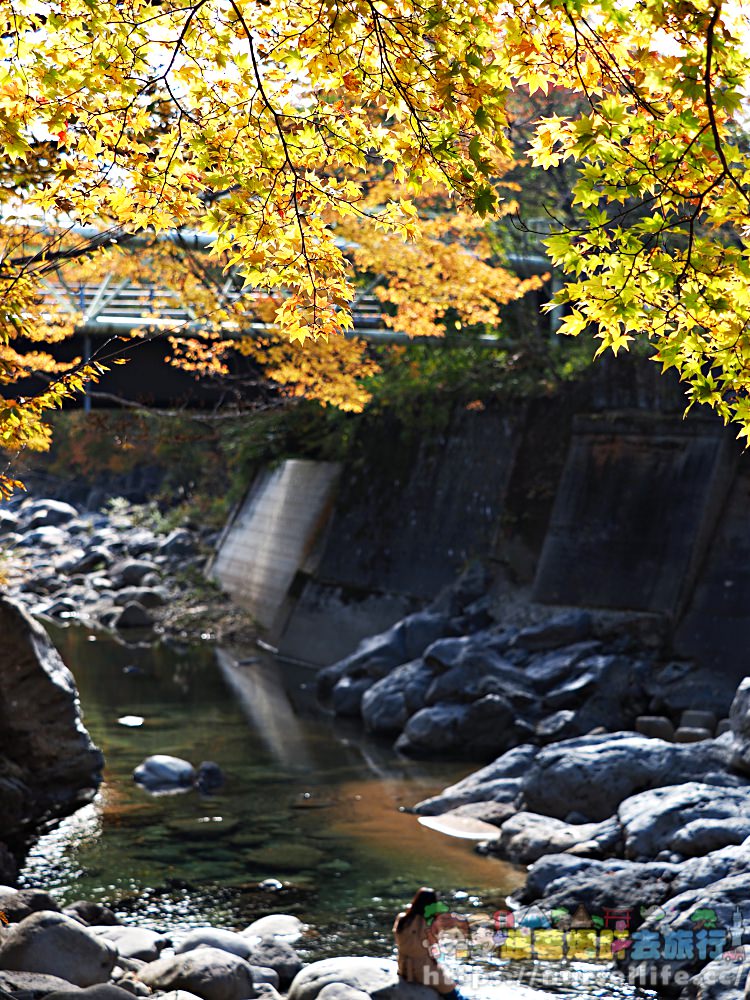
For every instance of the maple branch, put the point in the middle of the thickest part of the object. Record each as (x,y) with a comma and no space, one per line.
(711,107)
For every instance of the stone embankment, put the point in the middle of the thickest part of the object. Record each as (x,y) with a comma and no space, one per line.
(111,569)
(83,952)
(453,680)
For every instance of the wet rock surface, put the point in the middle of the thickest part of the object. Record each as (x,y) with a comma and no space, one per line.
(48,764)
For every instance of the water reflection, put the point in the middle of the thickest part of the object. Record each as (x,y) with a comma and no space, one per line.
(306,801)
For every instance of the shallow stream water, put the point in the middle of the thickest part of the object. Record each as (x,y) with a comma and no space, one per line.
(310,819)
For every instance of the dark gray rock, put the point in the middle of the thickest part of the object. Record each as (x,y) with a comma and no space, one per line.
(433,730)
(210,973)
(472,675)
(446,653)
(551,668)
(132,572)
(178,543)
(701,871)
(488,727)
(43,513)
(526,837)
(722,979)
(561,630)
(494,813)
(695,718)
(263,975)
(564,880)
(147,597)
(48,764)
(57,945)
(657,727)
(134,615)
(347,695)
(691,734)
(8,521)
(95,558)
(209,777)
(389,702)
(133,942)
(678,686)
(723,900)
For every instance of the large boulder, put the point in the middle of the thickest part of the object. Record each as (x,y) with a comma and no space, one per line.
(210,973)
(389,703)
(376,656)
(526,837)
(594,774)
(48,764)
(691,819)
(500,781)
(566,881)
(57,945)
(433,730)
(378,977)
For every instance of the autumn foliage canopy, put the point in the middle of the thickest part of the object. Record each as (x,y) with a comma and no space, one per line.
(316,138)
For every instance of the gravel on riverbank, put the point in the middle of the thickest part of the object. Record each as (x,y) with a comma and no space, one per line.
(118,569)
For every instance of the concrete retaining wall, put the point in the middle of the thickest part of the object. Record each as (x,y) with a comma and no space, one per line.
(598,496)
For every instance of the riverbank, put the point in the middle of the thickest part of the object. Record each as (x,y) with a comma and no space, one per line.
(118,568)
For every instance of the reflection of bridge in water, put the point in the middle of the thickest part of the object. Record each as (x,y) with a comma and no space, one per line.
(107,313)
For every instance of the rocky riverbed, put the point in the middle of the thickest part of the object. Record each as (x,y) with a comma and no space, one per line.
(623,776)
(114,568)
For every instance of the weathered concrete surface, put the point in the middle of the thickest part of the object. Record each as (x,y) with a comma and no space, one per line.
(636,504)
(273,535)
(716,627)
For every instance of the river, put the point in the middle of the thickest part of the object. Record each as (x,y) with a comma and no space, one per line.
(310,820)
